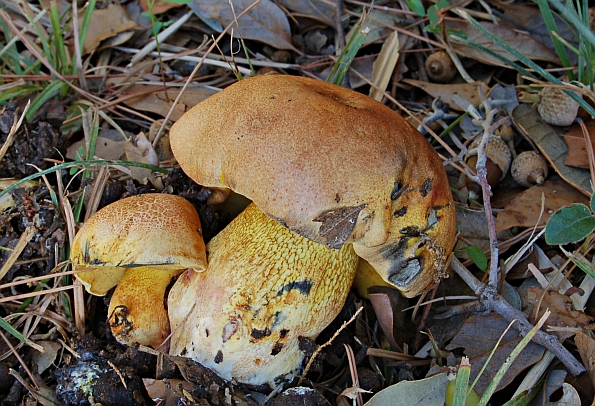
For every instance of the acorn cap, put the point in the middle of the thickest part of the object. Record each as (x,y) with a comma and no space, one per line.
(556,107)
(440,67)
(266,286)
(158,230)
(329,163)
(497,151)
(529,169)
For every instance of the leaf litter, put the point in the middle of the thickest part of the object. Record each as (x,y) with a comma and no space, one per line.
(298,37)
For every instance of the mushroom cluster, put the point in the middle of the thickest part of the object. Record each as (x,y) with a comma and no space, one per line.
(332,175)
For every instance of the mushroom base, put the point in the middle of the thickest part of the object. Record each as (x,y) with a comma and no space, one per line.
(265,286)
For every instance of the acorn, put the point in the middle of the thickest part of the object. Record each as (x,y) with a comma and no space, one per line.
(529,169)
(440,67)
(556,107)
(497,164)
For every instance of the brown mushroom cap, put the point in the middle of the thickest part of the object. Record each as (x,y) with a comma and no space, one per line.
(264,288)
(329,163)
(158,230)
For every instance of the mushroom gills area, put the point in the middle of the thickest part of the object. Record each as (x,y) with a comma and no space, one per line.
(265,286)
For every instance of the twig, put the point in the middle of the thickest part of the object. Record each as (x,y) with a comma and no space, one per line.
(319,349)
(489,299)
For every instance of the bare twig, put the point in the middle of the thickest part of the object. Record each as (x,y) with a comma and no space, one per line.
(319,349)
(489,299)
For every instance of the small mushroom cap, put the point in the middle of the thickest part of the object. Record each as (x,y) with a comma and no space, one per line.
(137,311)
(154,229)
(326,162)
(264,288)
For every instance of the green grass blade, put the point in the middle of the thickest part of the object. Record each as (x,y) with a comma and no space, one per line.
(85,164)
(548,18)
(62,58)
(86,21)
(522,58)
(8,327)
(574,19)
(50,91)
(341,66)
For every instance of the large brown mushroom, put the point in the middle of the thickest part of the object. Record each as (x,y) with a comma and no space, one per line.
(330,164)
(139,244)
(266,286)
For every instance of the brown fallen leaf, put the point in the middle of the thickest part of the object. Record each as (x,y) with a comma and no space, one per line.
(159,6)
(577,147)
(139,149)
(586,348)
(153,99)
(320,10)
(171,392)
(563,312)
(468,91)
(479,336)
(524,209)
(519,40)
(106,23)
(531,126)
(266,22)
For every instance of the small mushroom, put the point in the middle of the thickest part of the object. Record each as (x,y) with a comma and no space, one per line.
(529,169)
(440,67)
(266,286)
(497,164)
(139,243)
(331,164)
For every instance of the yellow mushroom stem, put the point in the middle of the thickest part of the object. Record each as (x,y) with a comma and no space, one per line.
(265,287)
(137,311)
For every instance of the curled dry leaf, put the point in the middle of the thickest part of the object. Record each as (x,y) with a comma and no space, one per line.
(490,328)
(563,312)
(525,208)
(586,348)
(266,22)
(468,91)
(519,40)
(106,23)
(139,149)
(320,10)
(577,147)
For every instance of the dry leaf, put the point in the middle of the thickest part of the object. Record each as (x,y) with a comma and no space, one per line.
(563,312)
(519,40)
(169,391)
(586,348)
(577,147)
(139,149)
(154,99)
(468,91)
(266,22)
(45,359)
(528,122)
(379,23)
(106,23)
(385,65)
(338,224)
(524,209)
(159,6)
(479,336)
(321,10)
(110,146)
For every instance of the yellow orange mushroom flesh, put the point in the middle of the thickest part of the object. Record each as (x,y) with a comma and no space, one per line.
(331,164)
(265,286)
(140,244)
